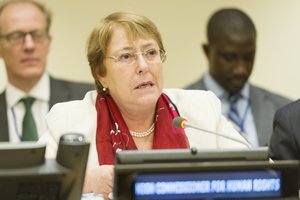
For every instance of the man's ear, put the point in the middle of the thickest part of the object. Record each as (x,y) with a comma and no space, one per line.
(50,39)
(206,49)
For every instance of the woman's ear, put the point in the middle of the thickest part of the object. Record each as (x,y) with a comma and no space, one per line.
(100,78)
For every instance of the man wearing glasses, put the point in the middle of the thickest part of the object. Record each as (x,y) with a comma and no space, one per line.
(31,91)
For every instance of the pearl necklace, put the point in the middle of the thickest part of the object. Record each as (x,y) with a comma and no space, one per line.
(142,134)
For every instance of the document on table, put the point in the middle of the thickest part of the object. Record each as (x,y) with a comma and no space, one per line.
(91,196)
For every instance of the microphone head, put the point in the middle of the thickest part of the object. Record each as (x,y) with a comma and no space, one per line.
(179,122)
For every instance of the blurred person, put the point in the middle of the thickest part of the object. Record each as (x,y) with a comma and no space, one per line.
(230,52)
(24,46)
(285,140)
(130,109)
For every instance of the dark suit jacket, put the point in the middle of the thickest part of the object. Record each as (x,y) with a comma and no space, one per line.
(60,91)
(285,141)
(263,106)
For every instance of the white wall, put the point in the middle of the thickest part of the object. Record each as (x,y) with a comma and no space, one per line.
(182,25)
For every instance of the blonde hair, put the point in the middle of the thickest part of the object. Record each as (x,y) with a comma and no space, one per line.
(136,26)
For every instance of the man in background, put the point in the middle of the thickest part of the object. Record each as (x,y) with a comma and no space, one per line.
(285,140)
(30,93)
(230,52)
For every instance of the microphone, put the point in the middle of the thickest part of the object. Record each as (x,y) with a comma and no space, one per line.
(180,122)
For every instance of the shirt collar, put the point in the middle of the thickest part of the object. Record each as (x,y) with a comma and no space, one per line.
(219,91)
(40,91)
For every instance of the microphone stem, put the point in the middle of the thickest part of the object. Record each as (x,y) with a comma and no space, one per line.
(218,134)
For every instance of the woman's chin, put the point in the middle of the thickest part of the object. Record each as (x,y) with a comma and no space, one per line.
(148,99)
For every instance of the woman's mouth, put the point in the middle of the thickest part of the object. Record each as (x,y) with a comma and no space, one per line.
(144,85)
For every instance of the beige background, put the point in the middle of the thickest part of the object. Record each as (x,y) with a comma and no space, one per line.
(182,25)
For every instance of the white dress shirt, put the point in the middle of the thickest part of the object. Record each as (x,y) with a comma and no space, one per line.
(16,109)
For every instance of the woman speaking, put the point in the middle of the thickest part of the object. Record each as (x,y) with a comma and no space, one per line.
(130,109)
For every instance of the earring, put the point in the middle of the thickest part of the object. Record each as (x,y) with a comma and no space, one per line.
(104,89)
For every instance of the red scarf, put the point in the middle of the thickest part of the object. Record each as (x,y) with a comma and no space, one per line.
(113,134)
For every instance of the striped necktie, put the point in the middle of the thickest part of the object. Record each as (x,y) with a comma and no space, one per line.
(29,131)
(233,113)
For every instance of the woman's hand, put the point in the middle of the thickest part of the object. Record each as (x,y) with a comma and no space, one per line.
(99,180)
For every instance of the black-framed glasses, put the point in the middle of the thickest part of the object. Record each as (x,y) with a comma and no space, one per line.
(151,56)
(18,37)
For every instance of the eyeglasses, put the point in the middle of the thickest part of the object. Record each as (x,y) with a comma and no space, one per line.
(18,37)
(151,56)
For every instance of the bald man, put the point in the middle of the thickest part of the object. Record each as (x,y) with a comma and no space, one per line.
(230,52)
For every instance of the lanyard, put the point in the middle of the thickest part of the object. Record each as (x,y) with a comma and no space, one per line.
(243,119)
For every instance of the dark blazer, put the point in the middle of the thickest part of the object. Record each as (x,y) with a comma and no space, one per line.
(60,91)
(285,141)
(264,104)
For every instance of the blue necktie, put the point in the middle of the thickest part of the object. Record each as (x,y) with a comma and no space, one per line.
(233,113)
(29,131)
